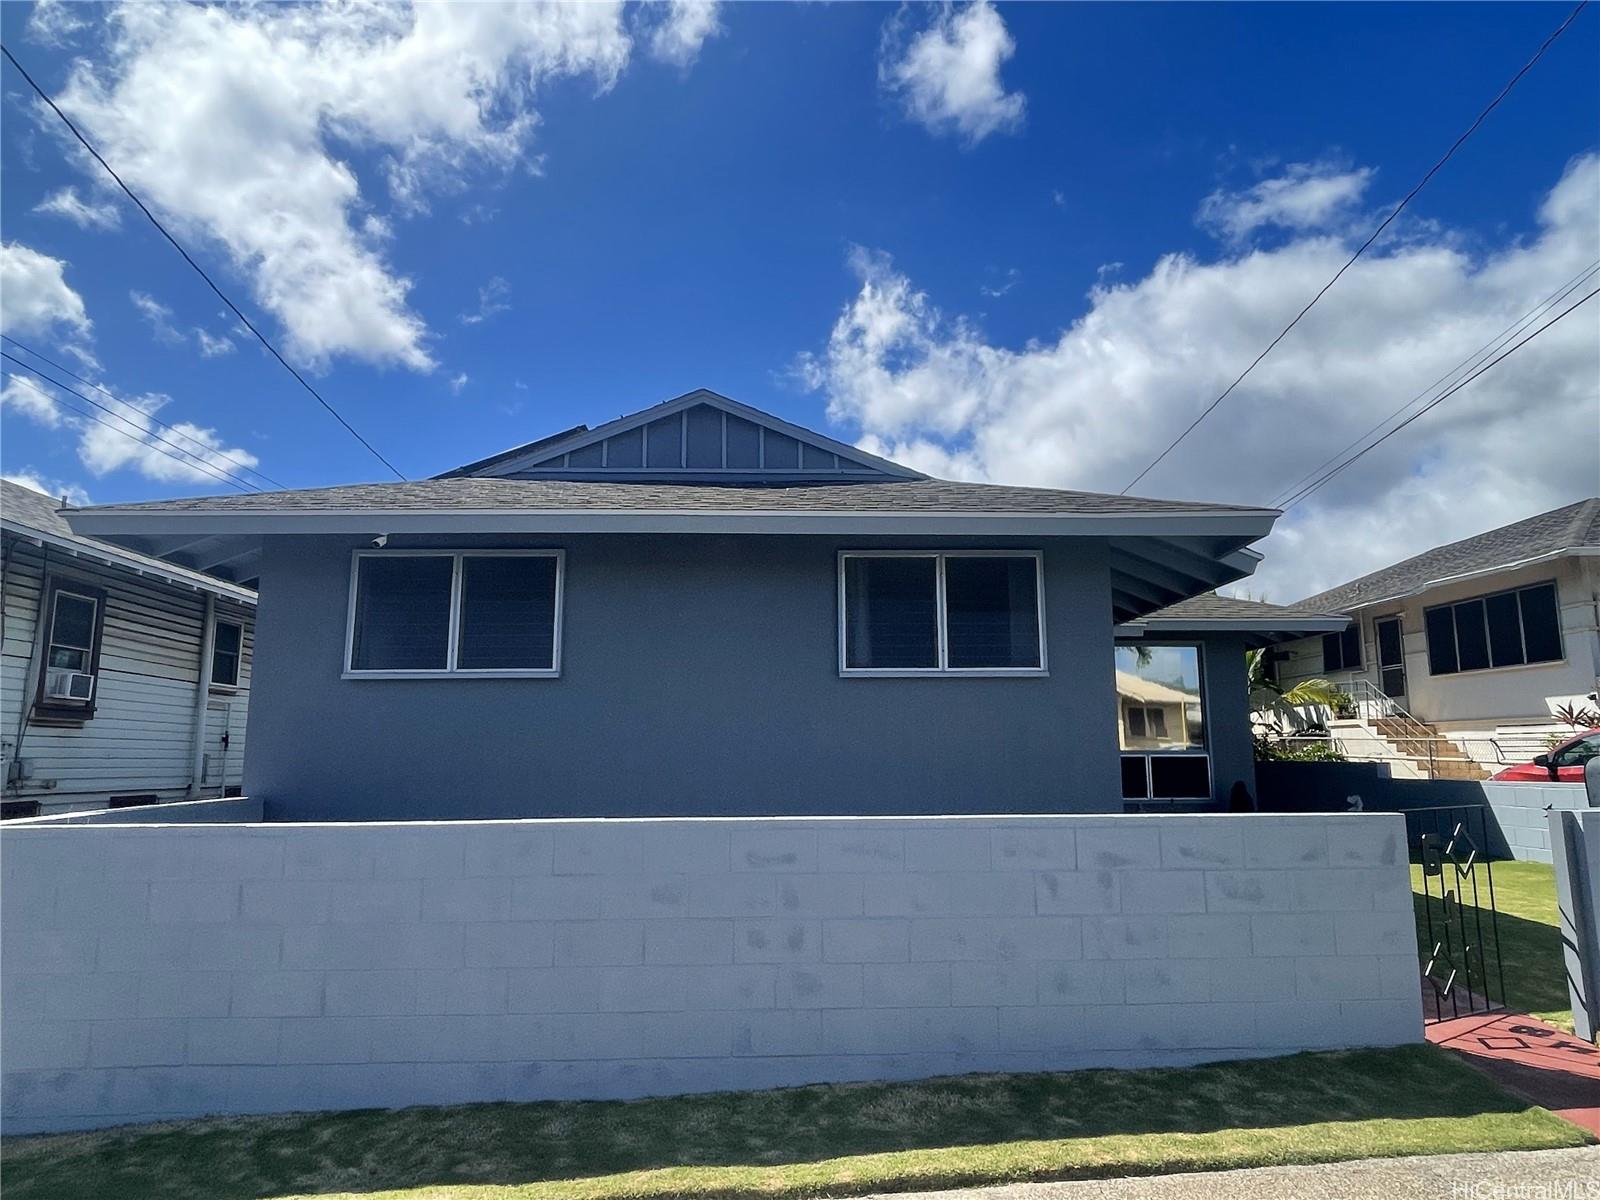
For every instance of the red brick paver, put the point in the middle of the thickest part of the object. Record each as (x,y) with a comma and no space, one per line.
(1536,1061)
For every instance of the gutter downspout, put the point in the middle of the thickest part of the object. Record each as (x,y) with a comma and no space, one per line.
(208,643)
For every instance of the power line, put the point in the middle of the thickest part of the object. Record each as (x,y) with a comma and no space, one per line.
(1306,492)
(90,383)
(1472,360)
(1399,208)
(143,437)
(176,245)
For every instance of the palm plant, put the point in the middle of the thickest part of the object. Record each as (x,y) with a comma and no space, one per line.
(1267,696)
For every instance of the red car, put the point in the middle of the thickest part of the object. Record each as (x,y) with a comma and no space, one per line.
(1564,763)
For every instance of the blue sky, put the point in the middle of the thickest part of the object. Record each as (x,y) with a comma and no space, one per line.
(885,223)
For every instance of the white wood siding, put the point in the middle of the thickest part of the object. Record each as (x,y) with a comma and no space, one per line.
(140,738)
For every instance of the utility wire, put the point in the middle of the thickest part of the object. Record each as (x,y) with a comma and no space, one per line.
(1306,492)
(176,245)
(1472,360)
(91,383)
(1399,208)
(144,437)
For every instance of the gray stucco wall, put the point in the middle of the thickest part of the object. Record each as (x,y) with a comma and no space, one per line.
(699,675)
(1233,756)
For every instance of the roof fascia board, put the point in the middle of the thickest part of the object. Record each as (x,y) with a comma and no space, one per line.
(932,524)
(129,562)
(676,405)
(1467,576)
(1165,625)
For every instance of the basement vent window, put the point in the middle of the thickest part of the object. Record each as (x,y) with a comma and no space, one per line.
(419,614)
(917,613)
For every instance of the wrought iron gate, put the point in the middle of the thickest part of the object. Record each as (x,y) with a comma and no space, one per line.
(1458,929)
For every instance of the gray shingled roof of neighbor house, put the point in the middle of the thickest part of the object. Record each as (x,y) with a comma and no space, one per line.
(28,513)
(1260,622)
(564,495)
(1573,527)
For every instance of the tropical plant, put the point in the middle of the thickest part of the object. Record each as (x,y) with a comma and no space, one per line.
(1268,697)
(1579,716)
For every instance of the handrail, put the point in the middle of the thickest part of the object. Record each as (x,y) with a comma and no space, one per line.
(1378,748)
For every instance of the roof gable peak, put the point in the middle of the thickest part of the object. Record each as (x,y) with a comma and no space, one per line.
(700,436)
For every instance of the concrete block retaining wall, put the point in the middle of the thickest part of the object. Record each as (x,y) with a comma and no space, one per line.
(1516,826)
(152,972)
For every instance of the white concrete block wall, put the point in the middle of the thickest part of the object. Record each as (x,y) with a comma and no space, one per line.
(152,972)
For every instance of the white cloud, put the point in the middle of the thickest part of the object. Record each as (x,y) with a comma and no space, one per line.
(235,122)
(126,437)
(158,315)
(947,76)
(493,299)
(56,22)
(1306,196)
(56,489)
(35,297)
(87,214)
(458,382)
(29,400)
(685,28)
(212,345)
(182,453)
(1090,406)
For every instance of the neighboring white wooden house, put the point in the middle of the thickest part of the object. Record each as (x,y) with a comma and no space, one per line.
(1476,643)
(124,678)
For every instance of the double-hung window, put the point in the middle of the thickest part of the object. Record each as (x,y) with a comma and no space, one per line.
(75,618)
(1506,629)
(419,613)
(227,649)
(924,613)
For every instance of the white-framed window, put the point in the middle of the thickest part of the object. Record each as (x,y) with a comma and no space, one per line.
(227,650)
(427,613)
(923,612)
(75,621)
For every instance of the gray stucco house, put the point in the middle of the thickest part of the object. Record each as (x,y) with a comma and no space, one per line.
(703,609)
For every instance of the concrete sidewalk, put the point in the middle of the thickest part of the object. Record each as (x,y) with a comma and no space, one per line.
(1552,1174)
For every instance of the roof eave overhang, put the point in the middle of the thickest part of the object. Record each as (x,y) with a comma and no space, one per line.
(109,556)
(1240,526)
(1477,573)
(1256,632)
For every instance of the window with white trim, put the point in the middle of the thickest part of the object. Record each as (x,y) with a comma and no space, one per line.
(227,648)
(74,618)
(420,613)
(916,612)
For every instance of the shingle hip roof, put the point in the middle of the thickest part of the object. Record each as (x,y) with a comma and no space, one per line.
(1571,527)
(544,495)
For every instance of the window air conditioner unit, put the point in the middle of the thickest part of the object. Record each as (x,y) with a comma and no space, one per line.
(69,685)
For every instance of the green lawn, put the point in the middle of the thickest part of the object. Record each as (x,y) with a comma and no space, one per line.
(816,1141)
(1530,938)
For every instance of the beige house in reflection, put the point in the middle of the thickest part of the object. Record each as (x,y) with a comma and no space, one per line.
(1154,716)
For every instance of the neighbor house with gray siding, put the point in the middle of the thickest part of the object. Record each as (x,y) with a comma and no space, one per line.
(125,678)
(701,608)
